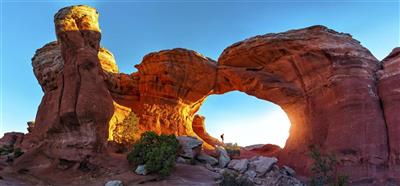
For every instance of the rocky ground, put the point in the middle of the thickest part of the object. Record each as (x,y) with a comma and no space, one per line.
(193,167)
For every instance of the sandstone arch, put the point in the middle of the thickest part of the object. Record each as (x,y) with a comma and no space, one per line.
(324,80)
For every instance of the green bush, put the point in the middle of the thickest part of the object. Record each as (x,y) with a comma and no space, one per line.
(6,150)
(232,149)
(18,152)
(157,153)
(324,169)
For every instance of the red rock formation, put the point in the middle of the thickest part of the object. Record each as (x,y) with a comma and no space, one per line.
(324,80)
(269,150)
(72,119)
(48,65)
(388,85)
(172,84)
(11,139)
(199,128)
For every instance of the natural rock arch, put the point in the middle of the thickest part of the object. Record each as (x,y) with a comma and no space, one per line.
(261,122)
(324,80)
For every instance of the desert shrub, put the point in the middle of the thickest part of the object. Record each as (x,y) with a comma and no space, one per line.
(18,152)
(324,169)
(124,131)
(156,152)
(6,149)
(233,179)
(232,149)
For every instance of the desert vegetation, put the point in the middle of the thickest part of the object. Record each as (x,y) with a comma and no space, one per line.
(232,178)
(232,149)
(324,170)
(10,152)
(156,152)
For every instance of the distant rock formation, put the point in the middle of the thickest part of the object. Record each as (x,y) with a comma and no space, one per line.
(335,92)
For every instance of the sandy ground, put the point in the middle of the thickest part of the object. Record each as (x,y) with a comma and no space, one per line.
(113,167)
(183,175)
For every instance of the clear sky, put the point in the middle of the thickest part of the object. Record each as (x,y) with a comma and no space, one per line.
(132,29)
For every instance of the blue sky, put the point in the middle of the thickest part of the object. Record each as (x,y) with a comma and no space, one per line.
(132,29)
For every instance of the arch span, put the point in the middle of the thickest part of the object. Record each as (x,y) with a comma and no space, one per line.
(245,119)
(325,81)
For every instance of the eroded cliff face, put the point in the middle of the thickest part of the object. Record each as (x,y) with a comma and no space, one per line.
(325,81)
(388,86)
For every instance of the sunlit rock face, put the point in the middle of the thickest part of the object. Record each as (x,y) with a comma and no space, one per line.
(325,81)
(172,86)
(199,128)
(167,90)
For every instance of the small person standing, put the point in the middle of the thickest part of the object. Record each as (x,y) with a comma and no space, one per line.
(222,137)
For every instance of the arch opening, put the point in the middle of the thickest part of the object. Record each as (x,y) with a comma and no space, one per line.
(245,119)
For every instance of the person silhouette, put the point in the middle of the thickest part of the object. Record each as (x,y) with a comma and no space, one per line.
(222,137)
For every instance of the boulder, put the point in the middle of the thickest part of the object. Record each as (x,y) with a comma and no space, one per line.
(190,146)
(223,157)
(181,160)
(211,168)
(262,164)
(141,170)
(31,125)
(289,171)
(205,158)
(114,183)
(275,178)
(250,173)
(239,165)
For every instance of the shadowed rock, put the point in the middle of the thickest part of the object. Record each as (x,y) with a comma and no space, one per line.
(72,119)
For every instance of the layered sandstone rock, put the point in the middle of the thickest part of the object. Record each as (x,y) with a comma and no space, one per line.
(172,84)
(11,139)
(389,78)
(199,128)
(48,65)
(72,119)
(324,80)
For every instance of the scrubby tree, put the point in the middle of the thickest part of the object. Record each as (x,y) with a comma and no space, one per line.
(156,152)
(324,170)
